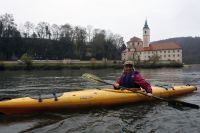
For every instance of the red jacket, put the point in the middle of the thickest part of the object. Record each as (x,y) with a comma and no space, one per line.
(138,80)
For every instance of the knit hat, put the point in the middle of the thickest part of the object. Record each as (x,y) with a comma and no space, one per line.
(128,62)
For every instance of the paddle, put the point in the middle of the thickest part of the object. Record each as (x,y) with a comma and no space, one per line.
(173,103)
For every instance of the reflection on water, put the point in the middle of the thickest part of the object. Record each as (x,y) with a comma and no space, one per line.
(138,117)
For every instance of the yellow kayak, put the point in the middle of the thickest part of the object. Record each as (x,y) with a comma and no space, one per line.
(85,98)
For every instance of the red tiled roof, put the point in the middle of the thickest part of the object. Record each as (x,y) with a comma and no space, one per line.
(135,39)
(161,46)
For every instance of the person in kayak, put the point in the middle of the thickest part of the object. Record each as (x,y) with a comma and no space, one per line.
(132,79)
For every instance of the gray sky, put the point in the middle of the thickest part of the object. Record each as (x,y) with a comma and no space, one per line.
(166,18)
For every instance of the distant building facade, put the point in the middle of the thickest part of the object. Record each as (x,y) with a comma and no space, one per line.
(145,51)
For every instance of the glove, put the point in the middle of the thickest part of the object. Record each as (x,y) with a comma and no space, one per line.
(116,86)
(149,94)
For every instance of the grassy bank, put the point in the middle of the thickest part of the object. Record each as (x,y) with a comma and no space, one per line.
(55,66)
(60,66)
(171,65)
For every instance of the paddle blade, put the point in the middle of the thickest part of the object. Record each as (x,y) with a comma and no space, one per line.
(91,77)
(180,105)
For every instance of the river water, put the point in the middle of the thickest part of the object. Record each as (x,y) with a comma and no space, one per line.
(145,117)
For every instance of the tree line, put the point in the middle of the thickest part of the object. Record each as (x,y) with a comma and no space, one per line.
(52,41)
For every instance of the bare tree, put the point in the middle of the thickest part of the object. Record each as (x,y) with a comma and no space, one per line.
(29,28)
(42,30)
(67,32)
(79,41)
(89,32)
(7,20)
(7,26)
(55,30)
(1,29)
(119,41)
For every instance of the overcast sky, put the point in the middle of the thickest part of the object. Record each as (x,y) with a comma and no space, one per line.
(166,18)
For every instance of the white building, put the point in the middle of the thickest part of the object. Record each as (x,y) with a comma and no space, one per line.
(144,50)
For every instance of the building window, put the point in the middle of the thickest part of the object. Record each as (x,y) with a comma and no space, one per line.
(177,55)
(169,55)
(164,51)
(174,55)
(168,51)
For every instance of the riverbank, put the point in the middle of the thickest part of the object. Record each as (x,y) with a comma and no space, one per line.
(59,65)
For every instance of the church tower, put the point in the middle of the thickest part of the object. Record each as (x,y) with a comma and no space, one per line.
(146,35)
